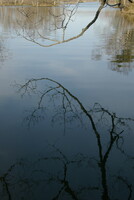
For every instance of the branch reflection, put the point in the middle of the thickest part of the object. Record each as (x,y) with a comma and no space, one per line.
(49,26)
(59,20)
(108,130)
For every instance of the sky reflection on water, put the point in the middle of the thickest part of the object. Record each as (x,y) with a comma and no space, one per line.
(65,145)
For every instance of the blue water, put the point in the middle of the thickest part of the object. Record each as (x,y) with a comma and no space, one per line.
(66,110)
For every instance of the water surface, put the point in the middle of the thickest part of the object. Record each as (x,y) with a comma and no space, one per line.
(66,107)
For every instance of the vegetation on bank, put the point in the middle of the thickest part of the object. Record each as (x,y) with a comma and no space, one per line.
(127,6)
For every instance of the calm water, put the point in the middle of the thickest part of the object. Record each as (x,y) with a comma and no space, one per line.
(66,107)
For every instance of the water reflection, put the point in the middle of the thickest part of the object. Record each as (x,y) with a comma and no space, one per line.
(122,60)
(29,19)
(103,170)
(49,26)
(4,51)
(81,176)
(119,44)
(42,27)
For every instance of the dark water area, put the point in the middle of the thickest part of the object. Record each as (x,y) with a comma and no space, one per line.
(66,104)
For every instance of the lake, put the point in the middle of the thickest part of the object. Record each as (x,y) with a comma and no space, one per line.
(66,103)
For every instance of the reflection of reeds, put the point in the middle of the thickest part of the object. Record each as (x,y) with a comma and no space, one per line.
(29,19)
(38,2)
(129,9)
(119,43)
(27,2)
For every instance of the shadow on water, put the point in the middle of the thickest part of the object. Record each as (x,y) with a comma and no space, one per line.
(60,176)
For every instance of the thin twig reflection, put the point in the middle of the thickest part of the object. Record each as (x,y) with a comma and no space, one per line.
(73,108)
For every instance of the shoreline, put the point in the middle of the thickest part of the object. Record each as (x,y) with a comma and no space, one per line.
(128,9)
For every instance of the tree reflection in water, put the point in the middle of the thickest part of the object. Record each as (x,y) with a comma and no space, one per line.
(4,51)
(57,171)
(119,44)
(122,59)
(60,21)
(49,26)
